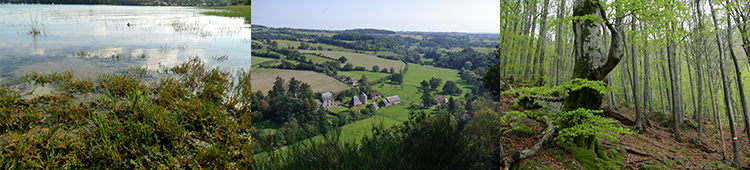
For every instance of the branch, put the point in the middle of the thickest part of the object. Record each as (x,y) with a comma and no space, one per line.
(518,156)
(616,46)
(631,150)
(547,98)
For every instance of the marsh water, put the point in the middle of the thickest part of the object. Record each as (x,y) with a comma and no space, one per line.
(84,38)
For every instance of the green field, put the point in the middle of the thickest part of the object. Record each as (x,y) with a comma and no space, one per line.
(317,59)
(267,125)
(258,60)
(355,131)
(360,59)
(398,112)
(263,79)
(371,76)
(414,77)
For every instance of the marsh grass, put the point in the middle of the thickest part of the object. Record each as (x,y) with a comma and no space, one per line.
(195,117)
(231,11)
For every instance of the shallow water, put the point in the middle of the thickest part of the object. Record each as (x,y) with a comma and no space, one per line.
(166,35)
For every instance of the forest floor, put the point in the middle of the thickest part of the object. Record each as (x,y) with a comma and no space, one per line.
(655,148)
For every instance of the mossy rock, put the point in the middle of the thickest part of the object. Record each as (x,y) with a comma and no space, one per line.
(528,164)
(667,121)
(595,158)
(522,130)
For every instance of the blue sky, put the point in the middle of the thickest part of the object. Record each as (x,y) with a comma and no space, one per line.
(475,16)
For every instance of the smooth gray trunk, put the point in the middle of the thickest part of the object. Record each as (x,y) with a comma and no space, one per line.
(735,143)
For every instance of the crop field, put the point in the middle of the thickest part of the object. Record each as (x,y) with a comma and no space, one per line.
(371,76)
(258,60)
(360,59)
(263,80)
(317,59)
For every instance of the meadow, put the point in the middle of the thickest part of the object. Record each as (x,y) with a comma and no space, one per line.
(258,60)
(414,77)
(263,79)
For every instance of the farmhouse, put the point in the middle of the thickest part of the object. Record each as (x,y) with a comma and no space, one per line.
(358,101)
(353,81)
(355,102)
(390,101)
(375,95)
(441,100)
(326,100)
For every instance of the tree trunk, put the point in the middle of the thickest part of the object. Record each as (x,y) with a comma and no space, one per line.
(623,80)
(529,54)
(540,45)
(740,85)
(634,82)
(697,60)
(559,40)
(675,98)
(592,62)
(646,88)
(735,149)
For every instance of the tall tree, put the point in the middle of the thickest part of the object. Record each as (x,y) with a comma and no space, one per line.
(697,61)
(737,71)
(724,79)
(591,61)
(558,38)
(540,47)
(634,81)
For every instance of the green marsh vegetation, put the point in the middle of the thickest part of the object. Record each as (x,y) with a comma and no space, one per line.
(231,11)
(193,117)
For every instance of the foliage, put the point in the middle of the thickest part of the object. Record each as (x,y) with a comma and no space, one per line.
(575,123)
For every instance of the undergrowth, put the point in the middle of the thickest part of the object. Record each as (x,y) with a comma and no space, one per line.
(195,117)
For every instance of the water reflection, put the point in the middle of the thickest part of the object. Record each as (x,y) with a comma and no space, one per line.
(82,38)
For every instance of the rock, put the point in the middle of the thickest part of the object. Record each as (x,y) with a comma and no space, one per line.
(522,130)
(667,121)
(528,164)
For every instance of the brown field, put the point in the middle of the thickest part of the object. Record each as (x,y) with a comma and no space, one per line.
(263,79)
(358,59)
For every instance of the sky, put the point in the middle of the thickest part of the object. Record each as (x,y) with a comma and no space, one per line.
(471,16)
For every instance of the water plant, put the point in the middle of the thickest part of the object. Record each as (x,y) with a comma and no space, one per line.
(193,117)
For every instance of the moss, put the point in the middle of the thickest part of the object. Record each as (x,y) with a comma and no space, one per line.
(522,130)
(616,155)
(553,152)
(593,158)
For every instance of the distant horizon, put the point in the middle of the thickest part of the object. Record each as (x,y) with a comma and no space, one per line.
(472,16)
(377,29)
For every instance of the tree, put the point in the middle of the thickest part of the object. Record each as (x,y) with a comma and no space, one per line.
(435,83)
(385,70)
(343,59)
(363,78)
(451,87)
(320,48)
(425,86)
(303,46)
(397,78)
(725,82)
(375,68)
(348,67)
(590,60)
